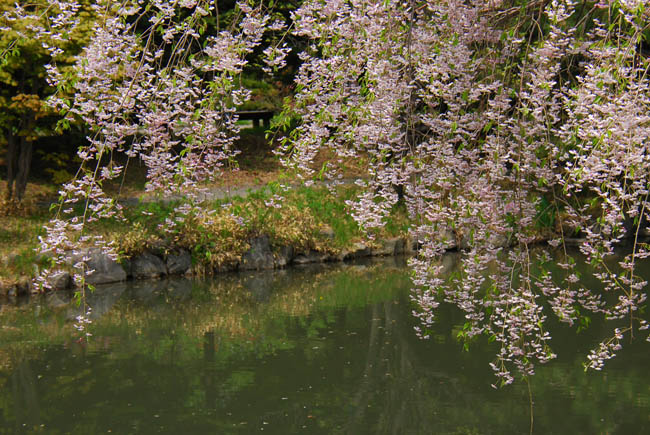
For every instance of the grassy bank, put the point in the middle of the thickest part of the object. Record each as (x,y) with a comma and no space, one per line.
(310,218)
(306,218)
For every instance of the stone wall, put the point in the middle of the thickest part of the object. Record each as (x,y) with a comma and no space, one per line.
(174,262)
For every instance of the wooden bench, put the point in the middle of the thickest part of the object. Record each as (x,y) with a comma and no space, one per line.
(255,116)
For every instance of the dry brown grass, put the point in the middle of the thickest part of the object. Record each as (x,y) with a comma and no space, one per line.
(34,193)
(256,165)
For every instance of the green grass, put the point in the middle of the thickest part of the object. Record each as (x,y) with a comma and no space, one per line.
(18,240)
(306,221)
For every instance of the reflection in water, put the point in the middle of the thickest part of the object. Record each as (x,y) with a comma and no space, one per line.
(324,349)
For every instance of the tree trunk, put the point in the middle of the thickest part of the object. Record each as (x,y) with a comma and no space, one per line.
(19,160)
(12,163)
(24,162)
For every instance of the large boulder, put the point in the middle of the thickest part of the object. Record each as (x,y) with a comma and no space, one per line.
(59,280)
(283,256)
(104,269)
(392,246)
(146,266)
(259,256)
(179,263)
(412,245)
(358,250)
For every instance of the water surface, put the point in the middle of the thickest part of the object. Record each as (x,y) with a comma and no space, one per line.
(324,349)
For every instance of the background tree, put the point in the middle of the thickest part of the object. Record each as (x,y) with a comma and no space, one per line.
(34,35)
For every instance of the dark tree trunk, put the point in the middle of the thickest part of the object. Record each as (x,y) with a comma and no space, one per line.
(24,162)
(19,160)
(19,151)
(12,163)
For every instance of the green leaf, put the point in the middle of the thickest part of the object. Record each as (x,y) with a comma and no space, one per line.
(488,126)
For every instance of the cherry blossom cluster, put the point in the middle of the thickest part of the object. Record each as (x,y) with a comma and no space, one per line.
(482,131)
(151,87)
(483,119)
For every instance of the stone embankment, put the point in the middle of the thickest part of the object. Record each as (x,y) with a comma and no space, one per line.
(177,262)
(261,255)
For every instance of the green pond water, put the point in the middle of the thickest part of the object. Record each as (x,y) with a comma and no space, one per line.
(324,349)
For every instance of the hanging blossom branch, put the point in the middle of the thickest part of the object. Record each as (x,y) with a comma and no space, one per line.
(482,131)
(479,131)
(166,95)
(610,160)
